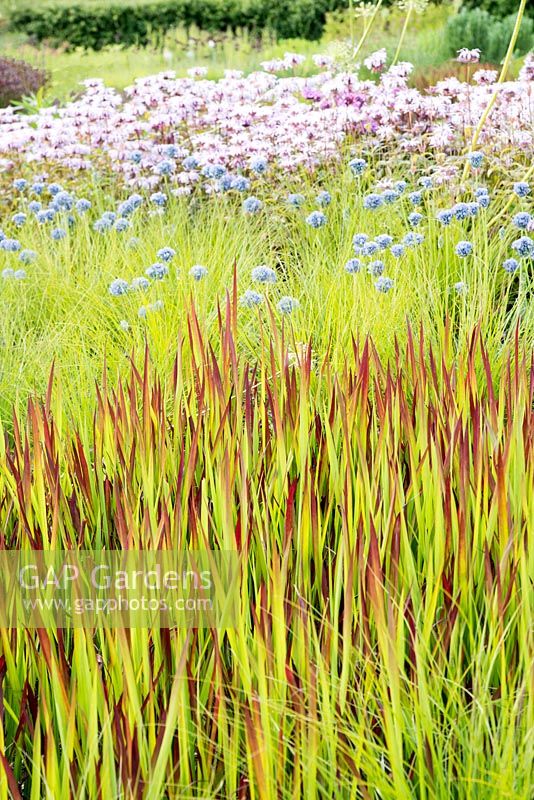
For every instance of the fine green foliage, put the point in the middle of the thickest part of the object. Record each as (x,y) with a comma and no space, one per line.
(383,518)
(65,314)
(477,28)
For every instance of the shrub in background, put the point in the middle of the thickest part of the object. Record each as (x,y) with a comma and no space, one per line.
(499,8)
(477,28)
(104,23)
(18,79)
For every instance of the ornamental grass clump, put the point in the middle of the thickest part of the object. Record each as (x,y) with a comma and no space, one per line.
(382,515)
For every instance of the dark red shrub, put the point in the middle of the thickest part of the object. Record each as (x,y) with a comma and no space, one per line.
(17,79)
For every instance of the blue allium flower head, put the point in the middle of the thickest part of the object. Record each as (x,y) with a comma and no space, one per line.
(159,199)
(156,306)
(286,304)
(415,218)
(198,272)
(38,187)
(20,184)
(521,188)
(425,182)
(372,201)
(7,273)
(64,201)
(412,239)
(136,156)
(140,284)
(102,225)
(166,254)
(400,186)
(224,184)
(511,265)
(370,248)
(19,274)
(118,287)
(445,216)
(461,211)
(252,205)
(473,209)
(384,284)
(359,239)
(10,245)
(135,200)
(19,219)
(58,233)
(463,249)
(376,268)
(251,298)
(316,219)
(125,208)
(189,163)
(295,200)
(481,191)
(522,220)
(524,246)
(389,196)
(324,199)
(54,188)
(384,240)
(483,200)
(34,206)
(27,256)
(121,225)
(240,183)
(357,166)
(475,158)
(397,250)
(415,198)
(83,205)
(157,271)
(109,216)
(171,151)
(213,171)
(46,215)
(353,266)
(460,287)
(142,312)
(259,165)
(263,274)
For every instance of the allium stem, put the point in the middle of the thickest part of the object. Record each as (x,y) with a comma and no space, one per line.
(403,34)
(501,79)
(366,29)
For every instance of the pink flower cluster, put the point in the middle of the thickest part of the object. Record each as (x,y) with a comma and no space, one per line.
(291,122)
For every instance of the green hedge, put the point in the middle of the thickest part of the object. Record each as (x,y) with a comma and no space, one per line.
(498,8)
(98,25)
(477,28)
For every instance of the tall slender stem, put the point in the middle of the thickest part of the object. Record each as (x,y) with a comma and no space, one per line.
(501,79)
(403,34)
(366,29)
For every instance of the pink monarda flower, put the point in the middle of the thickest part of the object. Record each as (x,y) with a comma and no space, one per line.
(294,59)
(197,72)
(466,56)
(485,76)
(526,73)
(322,60)
(377,60)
